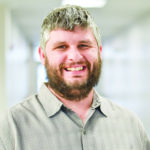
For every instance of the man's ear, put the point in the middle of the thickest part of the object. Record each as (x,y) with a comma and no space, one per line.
(101,51)
(42,56)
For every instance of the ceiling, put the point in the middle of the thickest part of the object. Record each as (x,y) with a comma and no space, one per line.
(116,16)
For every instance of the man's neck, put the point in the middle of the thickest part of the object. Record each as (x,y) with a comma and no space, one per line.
(81,107)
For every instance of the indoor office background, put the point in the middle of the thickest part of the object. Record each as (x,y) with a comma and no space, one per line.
(125,33)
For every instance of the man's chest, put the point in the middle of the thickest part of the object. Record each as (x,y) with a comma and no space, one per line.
(68,133)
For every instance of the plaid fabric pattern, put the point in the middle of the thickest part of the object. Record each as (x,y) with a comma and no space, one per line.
(42,122)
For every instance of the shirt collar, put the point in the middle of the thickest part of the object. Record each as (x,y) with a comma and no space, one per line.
(105,106)
(49,101)
(52,105)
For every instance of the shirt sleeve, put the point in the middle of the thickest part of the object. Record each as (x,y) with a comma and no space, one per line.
(2,145)
(144,138)
(148,145)
(5,132)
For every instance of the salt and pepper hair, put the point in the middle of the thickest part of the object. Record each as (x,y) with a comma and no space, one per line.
(67,18)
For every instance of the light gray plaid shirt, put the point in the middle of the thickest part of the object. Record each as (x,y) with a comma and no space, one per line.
(42,122)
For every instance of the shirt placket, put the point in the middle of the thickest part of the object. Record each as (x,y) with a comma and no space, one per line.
(83,127)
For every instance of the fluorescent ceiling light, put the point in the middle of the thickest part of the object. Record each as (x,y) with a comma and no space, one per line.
(85,3)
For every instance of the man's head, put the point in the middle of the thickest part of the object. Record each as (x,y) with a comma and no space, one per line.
(67,17)
(71,52)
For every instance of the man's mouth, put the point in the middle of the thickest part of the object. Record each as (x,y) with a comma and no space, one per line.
(79,68)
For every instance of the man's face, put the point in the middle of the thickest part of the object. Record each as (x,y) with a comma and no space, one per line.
(72,62)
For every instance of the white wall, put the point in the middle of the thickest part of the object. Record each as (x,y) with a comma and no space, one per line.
(126,69)
(18,70)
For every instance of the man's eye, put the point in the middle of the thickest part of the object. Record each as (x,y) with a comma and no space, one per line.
(83,46)
(62,47)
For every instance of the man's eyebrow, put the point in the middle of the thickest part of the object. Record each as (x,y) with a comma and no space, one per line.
(59,43)
(85,41)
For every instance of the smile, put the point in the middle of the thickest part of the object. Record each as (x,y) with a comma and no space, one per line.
(81,68)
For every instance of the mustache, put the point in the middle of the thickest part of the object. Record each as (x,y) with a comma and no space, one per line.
(84,63)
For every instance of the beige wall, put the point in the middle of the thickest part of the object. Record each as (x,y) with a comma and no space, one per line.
(2,58)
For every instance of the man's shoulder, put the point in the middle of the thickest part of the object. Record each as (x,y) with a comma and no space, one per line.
(116,111)
(14,117)
(122,114)
(120,110)
(27,106)
(111,108)
(19,113)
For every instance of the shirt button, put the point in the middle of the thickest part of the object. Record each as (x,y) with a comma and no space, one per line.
(84,132)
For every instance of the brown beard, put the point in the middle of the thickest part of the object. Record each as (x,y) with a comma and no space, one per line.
(77,91)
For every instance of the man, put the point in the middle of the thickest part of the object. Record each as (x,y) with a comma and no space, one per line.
(67,113)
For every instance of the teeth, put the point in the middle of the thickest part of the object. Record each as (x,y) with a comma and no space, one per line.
(75,69)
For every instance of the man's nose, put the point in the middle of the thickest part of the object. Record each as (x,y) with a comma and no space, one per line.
(74,54)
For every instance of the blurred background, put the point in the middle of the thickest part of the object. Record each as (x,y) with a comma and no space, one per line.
(125,33)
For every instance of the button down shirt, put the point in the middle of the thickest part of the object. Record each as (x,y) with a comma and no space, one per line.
(42,122)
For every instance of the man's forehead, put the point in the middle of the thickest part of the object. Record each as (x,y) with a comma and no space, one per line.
(85,41)
(75,29)
(79,32)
